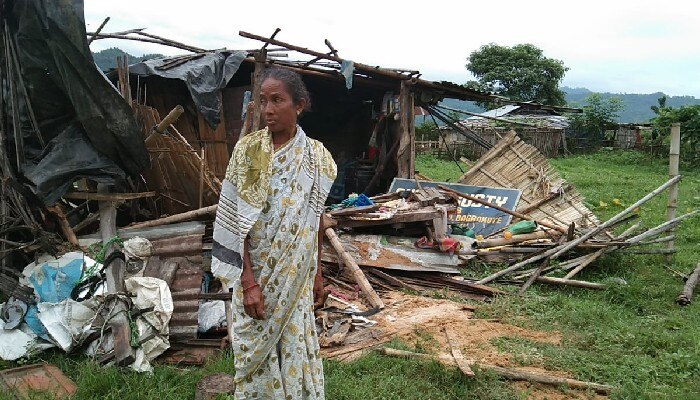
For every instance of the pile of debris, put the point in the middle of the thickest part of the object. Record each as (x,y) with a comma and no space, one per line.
(108,251)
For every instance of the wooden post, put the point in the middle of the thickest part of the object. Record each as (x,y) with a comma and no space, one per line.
(360,277)
(123,353)
(405,156)
(201,178)
(260,58)
(674,155)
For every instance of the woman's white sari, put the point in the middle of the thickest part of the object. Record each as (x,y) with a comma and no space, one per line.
(275,198)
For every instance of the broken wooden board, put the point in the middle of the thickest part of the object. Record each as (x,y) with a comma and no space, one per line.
(401,217)
(393,253)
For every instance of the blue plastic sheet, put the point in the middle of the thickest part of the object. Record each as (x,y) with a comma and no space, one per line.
(53,283)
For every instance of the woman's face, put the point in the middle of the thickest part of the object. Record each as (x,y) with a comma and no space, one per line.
(278,108)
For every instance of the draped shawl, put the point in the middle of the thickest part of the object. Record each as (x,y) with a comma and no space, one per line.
(275,199)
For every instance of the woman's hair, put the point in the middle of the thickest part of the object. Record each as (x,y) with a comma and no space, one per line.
(292,81)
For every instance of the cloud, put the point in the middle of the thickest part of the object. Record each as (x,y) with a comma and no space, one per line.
(623,46)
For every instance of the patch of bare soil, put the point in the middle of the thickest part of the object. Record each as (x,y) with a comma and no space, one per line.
(421,322)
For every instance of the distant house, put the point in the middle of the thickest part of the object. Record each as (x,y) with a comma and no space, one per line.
(542,127)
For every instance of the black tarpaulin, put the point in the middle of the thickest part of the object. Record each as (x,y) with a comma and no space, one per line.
(205,77)
(88,130)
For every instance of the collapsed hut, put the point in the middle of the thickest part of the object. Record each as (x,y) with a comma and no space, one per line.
(363,114)
(130,173)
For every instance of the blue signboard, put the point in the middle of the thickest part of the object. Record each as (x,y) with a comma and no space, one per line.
(483,220)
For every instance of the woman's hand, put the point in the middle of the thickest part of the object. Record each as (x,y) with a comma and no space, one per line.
(254,301)
(319,291)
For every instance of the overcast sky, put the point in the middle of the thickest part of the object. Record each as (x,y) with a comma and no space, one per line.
(617,46)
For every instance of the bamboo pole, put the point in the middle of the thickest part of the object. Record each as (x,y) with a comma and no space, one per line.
(99,29)
(555,252)
(666,226)
(260,58)
(358,66)
(170,119)
(570,282)
(510,373)
(360,277)
(674,156)
(586,260)
(206,211)
(536,274)
(486,243)
(145,39)
(171,42)
(505,210)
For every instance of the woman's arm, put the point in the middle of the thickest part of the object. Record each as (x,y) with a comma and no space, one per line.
(253,299)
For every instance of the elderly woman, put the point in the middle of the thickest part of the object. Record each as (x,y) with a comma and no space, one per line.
(266,246)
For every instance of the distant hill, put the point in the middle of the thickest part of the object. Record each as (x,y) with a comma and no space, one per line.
(107,59)
(637,106)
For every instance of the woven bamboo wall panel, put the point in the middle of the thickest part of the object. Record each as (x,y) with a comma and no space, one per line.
(512,163)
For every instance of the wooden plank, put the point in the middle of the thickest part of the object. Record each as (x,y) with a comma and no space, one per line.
(427,214)
(462,364)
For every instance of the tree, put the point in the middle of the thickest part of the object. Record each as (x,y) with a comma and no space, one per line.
(689,118)
(598,116)
(427,131)
(662,104)
(521,72)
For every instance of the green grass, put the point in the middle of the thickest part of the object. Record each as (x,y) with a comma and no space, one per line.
(631,336)
(439,170)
